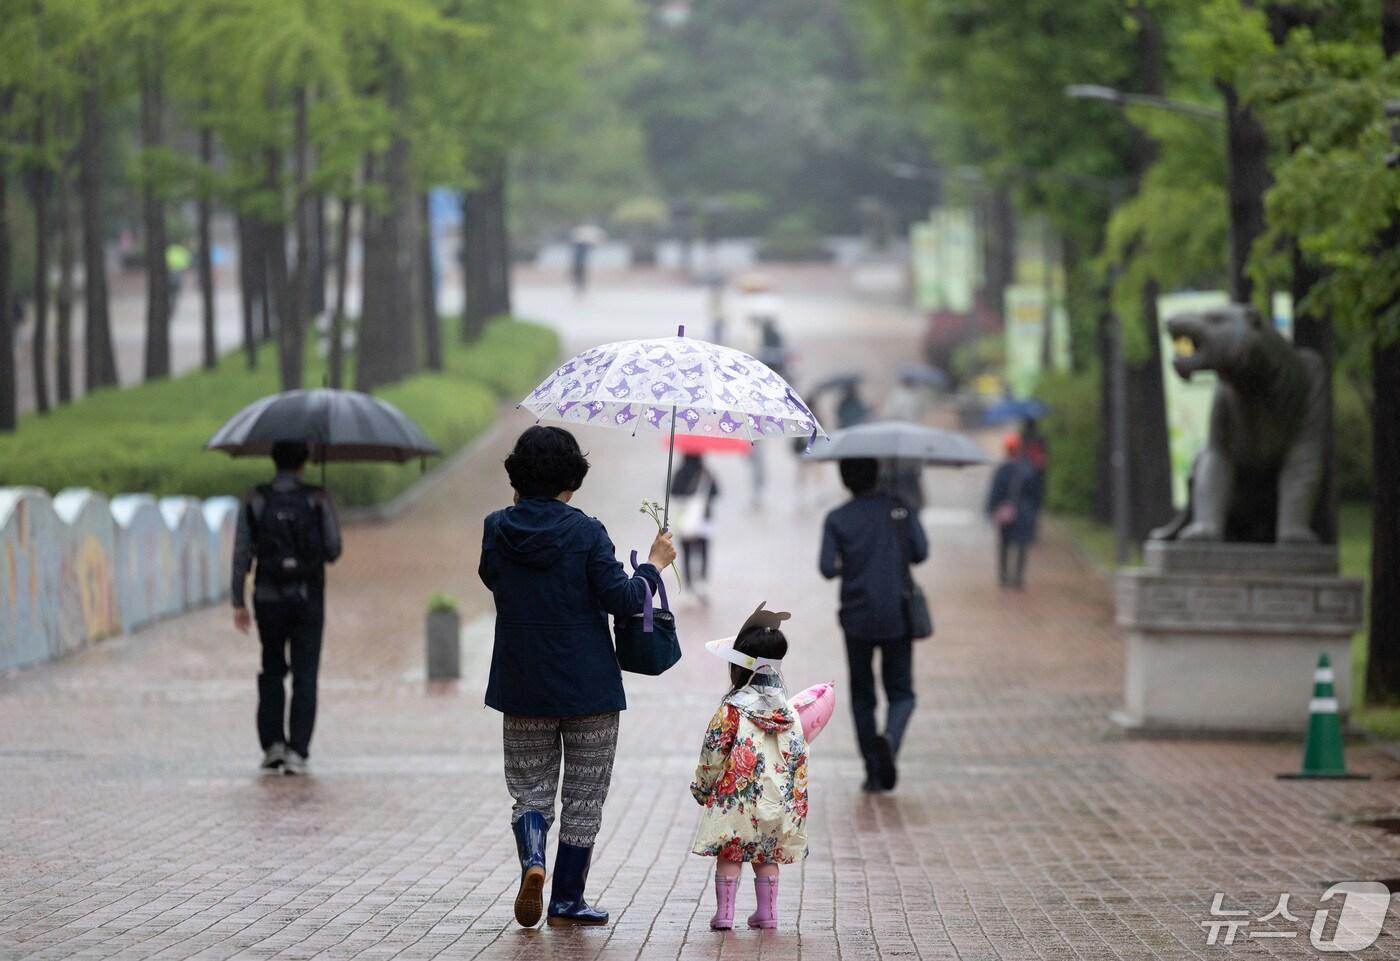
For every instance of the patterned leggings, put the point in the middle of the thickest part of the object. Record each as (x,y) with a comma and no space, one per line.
(533,747)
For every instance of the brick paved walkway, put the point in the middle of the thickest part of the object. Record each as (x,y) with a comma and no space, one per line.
(132,824)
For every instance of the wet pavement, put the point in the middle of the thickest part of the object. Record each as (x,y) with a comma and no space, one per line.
(134,824)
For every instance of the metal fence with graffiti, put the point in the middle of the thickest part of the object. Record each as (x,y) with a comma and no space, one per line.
(76,568)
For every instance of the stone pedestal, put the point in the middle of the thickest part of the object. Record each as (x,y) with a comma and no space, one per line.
(1223,638)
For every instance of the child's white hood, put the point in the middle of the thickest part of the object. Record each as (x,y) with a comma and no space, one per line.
(765,706)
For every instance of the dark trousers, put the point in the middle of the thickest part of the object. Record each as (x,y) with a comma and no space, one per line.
(291,637)
(695,555)
(1011,560)
(897,673)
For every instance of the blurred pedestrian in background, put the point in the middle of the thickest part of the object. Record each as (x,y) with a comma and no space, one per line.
(761,309)
(578,267)
(850,408)
(693,491)
(177,264)
(1013,503)
(287,533)
(583,239)
(1035,447)
(908,402)
(870,543)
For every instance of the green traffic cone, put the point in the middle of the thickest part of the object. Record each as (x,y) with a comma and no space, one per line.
(1322,749)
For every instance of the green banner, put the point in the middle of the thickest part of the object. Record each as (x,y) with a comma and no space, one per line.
(946,260)
(1188,402)
(1025,337)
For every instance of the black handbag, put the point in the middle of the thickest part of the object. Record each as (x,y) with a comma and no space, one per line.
(647,643)
(916,612)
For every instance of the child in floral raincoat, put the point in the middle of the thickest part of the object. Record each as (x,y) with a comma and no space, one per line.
(752,776)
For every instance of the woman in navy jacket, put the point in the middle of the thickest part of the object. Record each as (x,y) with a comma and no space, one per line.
(555,577)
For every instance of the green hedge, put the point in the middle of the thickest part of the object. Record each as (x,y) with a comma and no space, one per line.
(1071,428)
(150,438)
(1352,428)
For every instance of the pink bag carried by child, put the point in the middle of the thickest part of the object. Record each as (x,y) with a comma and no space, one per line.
(814,707)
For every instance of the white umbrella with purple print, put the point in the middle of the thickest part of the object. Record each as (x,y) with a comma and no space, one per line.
(673,384)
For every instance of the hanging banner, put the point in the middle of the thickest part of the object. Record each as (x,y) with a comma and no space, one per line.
(1025,337)
(946,260)
(1188,402)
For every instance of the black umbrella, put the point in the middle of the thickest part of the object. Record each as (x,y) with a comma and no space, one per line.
(338,425)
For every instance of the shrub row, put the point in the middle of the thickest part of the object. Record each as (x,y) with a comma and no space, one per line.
(150,438)
(1072,425)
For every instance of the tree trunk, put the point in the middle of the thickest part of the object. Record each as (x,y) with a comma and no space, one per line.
(1150,467)
(1000,251)
(342,270)
(280,284)
(1149,450)
(499,260)
(8,401)
(388,342)
(268,304)
(1102,507)
(1312,330)
(1383,660)
(65,297)
(320,259)
(1047,328)
(432,323)
(475,302)
(39,182)
(250,297)
(206,254)
(301,298)
(153,209)
(1383,663)
(99,357)
(1247,179)
(280,291)
(1070,264)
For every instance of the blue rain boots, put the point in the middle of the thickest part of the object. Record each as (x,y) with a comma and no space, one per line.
(566,903)
(531,829)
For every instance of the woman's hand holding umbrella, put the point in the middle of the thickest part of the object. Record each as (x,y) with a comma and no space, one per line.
(663,552)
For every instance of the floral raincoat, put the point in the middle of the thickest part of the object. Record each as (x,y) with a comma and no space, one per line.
(752,781)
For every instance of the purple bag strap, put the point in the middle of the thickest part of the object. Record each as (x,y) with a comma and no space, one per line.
(647,619)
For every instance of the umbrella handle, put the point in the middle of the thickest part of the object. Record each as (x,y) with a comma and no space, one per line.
(670,457)
(670,460)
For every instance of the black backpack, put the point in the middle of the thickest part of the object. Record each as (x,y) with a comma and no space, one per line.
(287,532)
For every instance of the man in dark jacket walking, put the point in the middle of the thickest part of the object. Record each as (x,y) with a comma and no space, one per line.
(870,543)
(555,578)
(287,534)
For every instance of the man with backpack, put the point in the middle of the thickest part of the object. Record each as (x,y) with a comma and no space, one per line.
(287,534)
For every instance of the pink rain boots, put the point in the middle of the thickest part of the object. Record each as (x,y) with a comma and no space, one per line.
(725,891)
(767,914)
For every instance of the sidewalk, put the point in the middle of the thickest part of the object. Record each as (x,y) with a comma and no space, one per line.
(134,824)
